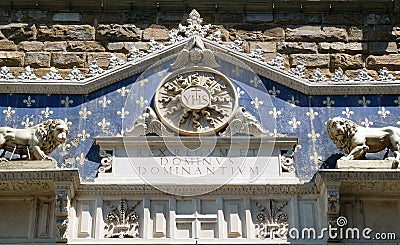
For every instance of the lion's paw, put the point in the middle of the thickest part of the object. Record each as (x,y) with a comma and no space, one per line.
(3,159)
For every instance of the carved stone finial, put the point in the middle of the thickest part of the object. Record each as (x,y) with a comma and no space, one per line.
(195,53)
(147,123)
(244,123)
(75,75)
(385,76)
(5,73)
(257,53)
(115,61)
(35,142)
(339,76)
(298,71)
(122,221)
(52,74)
(363,76)
(277,62)
(216,36)
(94,69)
(174,37)
(194,28)
(28,74)
(154,46)
(236,45)
(356,140)
(318,77)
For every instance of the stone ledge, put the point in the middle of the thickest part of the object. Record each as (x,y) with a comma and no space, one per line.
(26,164)
(366,164)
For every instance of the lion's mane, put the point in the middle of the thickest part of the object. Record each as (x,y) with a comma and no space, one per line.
(47,141)
(345,143)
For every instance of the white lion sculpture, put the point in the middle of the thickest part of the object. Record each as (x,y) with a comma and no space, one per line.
(356,140)
(35,142)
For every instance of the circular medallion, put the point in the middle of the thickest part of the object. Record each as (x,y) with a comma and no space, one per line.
(197,101)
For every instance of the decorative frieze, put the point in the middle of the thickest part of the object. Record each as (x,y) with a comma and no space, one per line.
(272,221)
(122,221)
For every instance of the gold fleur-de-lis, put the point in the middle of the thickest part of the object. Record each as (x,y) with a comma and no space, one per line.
(255,81)
(27,122)
(123,91)
(237,71)
(366,123)
(239,92)
(257,102)
(274,92)
(47,112)
(69,123)
(347,112)
(64,148)
(29,101)
(123,113)
(364,102)
(84,112)
(293,101)
(383,112)
(313,135)
(312,114)
(143,82)
(328,102)
(83,135)
(275,113)
(141,101)
(81,159)
(104,125)
(9,113)
(294,123)
(104,102)
(67,102)
(315,158)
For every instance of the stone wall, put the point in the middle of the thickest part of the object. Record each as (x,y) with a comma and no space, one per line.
(42,39)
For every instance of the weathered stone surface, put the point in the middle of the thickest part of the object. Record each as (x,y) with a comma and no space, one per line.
(37,59)
(259,17)
(366,164)
(81,46)
(352,74)
(115,32)
(268,47)
(118,47)
(382,47)
(346,61)
(102,59)
(159,33)
(67,17)
(315,33)
(310,60)
(36,14)
(337,47)
(68,59)
(391,61)
(276,33)
(66,32)
(55,46)
(19,31)
(7,45)
(29,165)
(30,46)
(296,47)
(357,34)
(343,19)
(290,19)
(10,58)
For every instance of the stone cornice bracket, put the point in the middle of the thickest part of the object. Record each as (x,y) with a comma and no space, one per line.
(195,53)
(148,123)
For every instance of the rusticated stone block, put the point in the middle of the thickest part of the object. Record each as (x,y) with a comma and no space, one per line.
(37,59)
(259,17)
(55,46)
(340,47)
(10,58)
(7,45)
(382,47)
(102,58)
(296,47)
(352,74)
(159,33)
(115,32)
(315,33)
(276,33)
(19,31)
(346,61)
(310,60)
(118,47)
(68,59)
(391,61)
(268,47)
(88,46)
(30,46)
(66,32)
